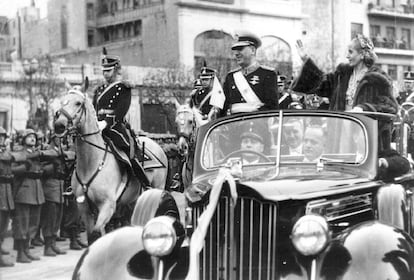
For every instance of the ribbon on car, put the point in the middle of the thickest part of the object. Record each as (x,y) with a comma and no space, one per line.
(197,239)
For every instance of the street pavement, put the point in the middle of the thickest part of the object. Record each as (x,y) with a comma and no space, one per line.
(48,268)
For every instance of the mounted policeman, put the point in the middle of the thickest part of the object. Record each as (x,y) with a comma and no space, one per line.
(112,101)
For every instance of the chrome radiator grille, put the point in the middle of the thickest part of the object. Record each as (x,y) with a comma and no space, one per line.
(335,209)
(241,241)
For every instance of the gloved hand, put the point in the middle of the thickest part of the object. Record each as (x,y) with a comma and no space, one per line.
(102,125)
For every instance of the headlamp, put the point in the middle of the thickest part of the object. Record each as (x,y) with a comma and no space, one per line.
(159,236)
(310,235)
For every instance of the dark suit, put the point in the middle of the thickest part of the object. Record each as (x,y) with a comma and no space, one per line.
(262,80)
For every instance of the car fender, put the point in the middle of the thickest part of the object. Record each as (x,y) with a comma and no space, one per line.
(392,206)
(371,250)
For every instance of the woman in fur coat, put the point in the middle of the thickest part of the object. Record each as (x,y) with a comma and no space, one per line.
(358,85)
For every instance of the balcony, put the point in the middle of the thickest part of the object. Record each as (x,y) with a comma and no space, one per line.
(127,15)
(383,42)
(402,12)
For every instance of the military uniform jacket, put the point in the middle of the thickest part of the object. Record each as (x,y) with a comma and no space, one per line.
(55,175)
(262,80)
(27,185)
(201,97)
(6,179)
(112,102)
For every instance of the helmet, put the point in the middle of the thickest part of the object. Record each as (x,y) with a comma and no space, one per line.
(27,132)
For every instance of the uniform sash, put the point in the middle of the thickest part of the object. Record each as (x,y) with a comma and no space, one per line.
(253,102)
(106,90)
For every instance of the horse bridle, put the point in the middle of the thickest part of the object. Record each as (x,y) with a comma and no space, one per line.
(73,128)
(182,134)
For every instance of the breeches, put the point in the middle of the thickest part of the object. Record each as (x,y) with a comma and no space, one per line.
(4,222)
(26,220)
(50,218)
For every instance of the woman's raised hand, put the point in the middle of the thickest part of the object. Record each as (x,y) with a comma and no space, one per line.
(301,50)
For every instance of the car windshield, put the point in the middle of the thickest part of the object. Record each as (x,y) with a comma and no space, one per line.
(286,140)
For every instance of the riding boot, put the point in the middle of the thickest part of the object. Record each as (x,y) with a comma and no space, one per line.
(21,256)
(139,172)
(27,251)
(49,252)
(56,249)
(74,245)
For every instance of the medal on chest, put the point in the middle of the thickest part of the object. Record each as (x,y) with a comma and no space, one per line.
(254,80)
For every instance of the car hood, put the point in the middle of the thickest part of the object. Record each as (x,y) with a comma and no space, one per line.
(296,187)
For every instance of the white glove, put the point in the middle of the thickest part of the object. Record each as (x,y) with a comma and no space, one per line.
(102,125)
(356,109)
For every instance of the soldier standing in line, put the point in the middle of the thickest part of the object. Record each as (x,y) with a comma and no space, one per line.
(250,87)
(51,214)
(28,198)
(6,194)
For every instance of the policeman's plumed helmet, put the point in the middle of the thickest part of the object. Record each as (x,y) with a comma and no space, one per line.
(246,38)
(109,62)
(409,75)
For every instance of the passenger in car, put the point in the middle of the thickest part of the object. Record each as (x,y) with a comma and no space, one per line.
(352,86)
(293,130)
(313,143)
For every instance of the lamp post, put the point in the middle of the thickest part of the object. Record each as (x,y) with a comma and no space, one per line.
(30,68)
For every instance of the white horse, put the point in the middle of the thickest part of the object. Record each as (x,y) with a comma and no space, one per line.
(99,183)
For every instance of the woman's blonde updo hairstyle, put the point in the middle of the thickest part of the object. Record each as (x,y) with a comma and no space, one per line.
(365,46)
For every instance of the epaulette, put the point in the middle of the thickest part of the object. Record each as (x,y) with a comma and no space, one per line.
(235,70)
(267,68)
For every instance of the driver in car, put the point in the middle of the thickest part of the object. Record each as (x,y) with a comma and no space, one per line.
(253,138)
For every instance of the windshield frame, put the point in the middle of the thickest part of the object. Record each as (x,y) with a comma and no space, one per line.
(281,115)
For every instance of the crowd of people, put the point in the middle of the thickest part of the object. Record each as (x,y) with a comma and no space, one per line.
(35,195)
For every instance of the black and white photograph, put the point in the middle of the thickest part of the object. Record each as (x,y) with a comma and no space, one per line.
(207,139)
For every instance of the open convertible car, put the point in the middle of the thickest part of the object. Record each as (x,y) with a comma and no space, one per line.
(276,214)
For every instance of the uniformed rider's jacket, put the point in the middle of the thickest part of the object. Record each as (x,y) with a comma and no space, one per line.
(112,102)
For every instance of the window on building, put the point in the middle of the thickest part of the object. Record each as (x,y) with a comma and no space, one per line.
(158,118)
(14,41)
(64,28)
(3,119)
(405,42)
(375,34)
(390,37)
(388,3)
(137,28)
(356,28)
(90,13)
(392,71)
(91,38)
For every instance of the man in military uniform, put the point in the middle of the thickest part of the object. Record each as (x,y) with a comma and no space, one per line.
(6,195)
(51,214)
(407,94)
(251,87)
(28,197)
(112,101)
(200,96)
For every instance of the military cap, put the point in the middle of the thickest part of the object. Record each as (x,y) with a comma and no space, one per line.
(28,132)
(2,131)
(207,72)
(256,130)
(409,75)
(109,62)
(246,38)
